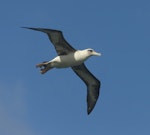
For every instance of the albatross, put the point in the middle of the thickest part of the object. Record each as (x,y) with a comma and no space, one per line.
(70,57)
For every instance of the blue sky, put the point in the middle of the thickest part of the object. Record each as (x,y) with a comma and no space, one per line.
(55,103)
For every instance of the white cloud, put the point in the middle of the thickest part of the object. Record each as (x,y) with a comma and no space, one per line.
(13,110)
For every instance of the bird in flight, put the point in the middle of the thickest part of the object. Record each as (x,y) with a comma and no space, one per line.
(70,57)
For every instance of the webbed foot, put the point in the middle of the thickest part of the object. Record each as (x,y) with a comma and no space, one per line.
(44,67)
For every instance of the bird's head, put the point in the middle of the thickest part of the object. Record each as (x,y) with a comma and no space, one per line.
(91,52)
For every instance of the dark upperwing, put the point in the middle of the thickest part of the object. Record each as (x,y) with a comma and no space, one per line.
(56,37)
(92,83)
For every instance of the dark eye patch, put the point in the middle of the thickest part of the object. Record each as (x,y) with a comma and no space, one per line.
(90,50)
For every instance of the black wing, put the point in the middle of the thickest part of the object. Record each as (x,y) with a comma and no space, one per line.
(56,37)
(93,85)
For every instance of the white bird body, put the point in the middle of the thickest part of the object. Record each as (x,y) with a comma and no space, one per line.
(72,59)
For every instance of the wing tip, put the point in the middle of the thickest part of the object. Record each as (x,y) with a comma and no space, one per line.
(38,29)
(91,106)
(26,27)
(89,110)
(46,30)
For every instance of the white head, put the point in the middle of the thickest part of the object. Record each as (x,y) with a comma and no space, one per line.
(82,55)
(91,52)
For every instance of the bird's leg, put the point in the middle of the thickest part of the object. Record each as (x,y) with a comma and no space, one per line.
(44,66)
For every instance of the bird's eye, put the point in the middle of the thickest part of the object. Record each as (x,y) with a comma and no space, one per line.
(90,50)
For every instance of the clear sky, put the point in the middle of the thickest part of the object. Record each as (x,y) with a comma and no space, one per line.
(55,103)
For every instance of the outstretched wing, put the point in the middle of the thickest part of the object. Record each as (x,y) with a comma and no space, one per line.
(93,85)
(56,37)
